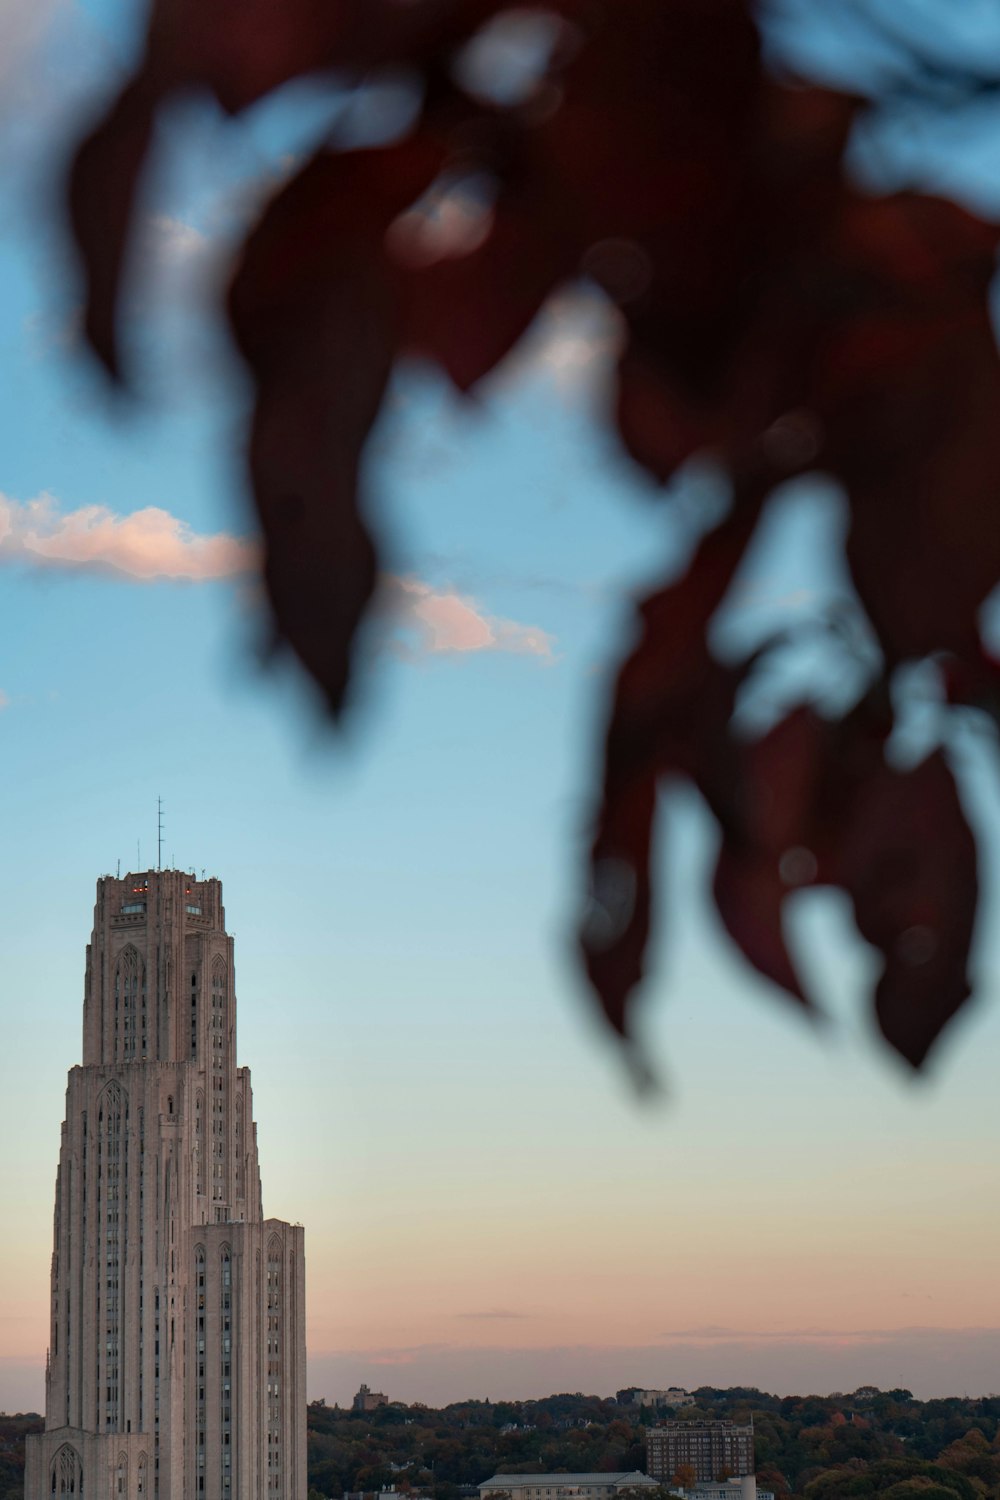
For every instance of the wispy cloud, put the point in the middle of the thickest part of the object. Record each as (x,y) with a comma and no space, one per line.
(144,545)
(444,622)
(714,1335)
(493,1313)
(151,544)
(4,701)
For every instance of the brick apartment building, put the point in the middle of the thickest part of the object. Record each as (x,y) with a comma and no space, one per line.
(714,1450)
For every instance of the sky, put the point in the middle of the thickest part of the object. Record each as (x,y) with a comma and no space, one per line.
(490,1210)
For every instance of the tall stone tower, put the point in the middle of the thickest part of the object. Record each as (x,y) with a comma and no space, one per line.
(176,1367)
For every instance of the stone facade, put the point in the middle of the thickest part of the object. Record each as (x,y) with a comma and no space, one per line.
(176,1366)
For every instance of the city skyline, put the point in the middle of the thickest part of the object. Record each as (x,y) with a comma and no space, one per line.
(491,1211)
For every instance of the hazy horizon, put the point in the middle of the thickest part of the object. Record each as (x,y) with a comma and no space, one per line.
(809,1363)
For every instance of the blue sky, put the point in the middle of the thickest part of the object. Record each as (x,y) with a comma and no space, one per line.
(496,1213)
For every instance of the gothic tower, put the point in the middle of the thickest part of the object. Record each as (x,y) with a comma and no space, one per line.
(176,1366)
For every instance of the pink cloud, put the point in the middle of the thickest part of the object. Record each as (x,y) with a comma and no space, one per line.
(444,621)
(152,544)
(146,544)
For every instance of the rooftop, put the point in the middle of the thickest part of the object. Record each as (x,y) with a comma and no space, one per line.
(565,1481)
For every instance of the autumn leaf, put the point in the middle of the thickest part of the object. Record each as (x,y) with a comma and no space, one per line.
(908,862)
(314,307)
(102,191)
(671,706)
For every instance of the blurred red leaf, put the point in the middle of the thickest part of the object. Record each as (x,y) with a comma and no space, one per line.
(908,389)
(102,190)
(650,132)
(820,805)
(785,804)
(314,308)
(768,839)
(749,892)
(908,861)
(671,702)
(468,313)
(616,923)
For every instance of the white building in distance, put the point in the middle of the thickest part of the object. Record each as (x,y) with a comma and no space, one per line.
(672,1396)
(606,1486)
(564,1486)
(744,1488)
(176,1365)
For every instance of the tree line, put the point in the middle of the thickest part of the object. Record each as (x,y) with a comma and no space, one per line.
(869,1442)
(835,1447)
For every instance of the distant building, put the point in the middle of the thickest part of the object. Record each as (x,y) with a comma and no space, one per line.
(367,1400)
(177,1361)
(672,1396)
(714,1450)
(564,1486)
(744,1488)
(387,1492)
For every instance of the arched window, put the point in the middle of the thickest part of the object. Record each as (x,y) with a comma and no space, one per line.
(130,1005)
(274,1263)
(67,1472)
(112,1097)
(122,1475)
(140,1487)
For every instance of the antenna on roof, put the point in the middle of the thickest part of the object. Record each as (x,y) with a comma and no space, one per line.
(159,832)
(118,872)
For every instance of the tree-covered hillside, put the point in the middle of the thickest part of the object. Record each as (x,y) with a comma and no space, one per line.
(869,1443)
(13,1430)
(816,1447)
